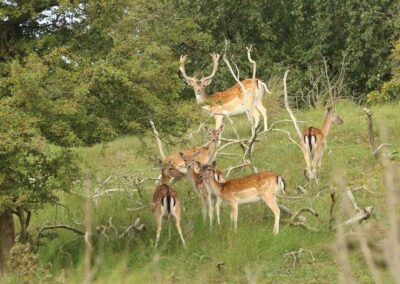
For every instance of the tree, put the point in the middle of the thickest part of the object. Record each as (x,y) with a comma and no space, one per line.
(31,172)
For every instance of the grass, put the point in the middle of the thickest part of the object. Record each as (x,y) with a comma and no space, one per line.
(220,255)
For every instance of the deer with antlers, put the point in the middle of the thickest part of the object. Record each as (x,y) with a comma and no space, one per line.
(231,102)
(166,203)
(263,185)
(314,142)
(173,166)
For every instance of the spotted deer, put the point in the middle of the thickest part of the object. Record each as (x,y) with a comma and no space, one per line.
(175,165)
(230,102)
(314,142)
(202,191)
(263,185)
(166,203)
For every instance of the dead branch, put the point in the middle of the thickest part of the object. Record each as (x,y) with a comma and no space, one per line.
(380,147)
(288,211)
(296,126)
(301,189)
(302,224)
(332,209)
(297,255)
(136,209)
(137,227)
(364,214)
(350,196)
(231,168)
(157,136)
(368,114)
(110,191)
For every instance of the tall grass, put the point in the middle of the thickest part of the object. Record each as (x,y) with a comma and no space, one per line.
(219,255)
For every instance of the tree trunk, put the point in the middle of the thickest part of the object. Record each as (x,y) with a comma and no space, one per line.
(7,234)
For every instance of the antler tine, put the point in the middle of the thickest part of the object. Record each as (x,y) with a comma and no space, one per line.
(215,59)
(182,62)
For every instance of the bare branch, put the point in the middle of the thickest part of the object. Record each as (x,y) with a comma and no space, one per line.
(288,107)
(157,136)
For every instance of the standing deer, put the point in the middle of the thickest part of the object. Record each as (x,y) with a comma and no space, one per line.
(230,102)
(202,191)
(165,203)
(263,185)
(174,166)
(314,142)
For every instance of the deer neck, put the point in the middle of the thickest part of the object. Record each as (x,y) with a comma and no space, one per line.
(201,97)
(326,127)
(211,152)
(215,186)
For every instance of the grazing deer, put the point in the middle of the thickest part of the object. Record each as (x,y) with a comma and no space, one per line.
(201,190)
(230,102)
(262,185)
(165,203)
(175,165)
(314,142)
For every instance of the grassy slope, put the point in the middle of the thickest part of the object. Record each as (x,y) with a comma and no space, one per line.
(251,253)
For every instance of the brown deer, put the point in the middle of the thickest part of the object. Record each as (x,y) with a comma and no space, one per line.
(174,166)
(314,142)
(230,102)
(166,203)
(263,185)
(201,190)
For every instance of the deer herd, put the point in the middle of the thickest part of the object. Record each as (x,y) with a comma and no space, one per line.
(198,164)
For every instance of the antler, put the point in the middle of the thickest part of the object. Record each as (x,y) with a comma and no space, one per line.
(215,59)
(182,62)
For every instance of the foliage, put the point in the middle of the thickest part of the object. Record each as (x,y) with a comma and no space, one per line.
(390,90)
(31,170)
(23,263)
(89,71)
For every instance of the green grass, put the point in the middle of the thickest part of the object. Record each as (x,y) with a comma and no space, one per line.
(252,253)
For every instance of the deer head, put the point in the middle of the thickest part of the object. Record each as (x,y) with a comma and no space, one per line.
(199,85)
(333,117)
(214,134)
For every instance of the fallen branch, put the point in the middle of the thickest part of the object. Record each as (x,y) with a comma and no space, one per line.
(288,211)
(111,190)
(302,224)
(364,214)
(297,255)
(230,169)
(137,227)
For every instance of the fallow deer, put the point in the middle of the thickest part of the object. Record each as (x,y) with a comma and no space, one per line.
(205,154)
(263,185)
(166,203)
(202,191)
(314,142)
(230,102)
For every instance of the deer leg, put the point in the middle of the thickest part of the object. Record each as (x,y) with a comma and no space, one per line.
(218,120)
(159,217)
(307,158)
(256,117)
(208,198)
(177,215)
(217,209)
(234,213)
(270,200)
(263,111)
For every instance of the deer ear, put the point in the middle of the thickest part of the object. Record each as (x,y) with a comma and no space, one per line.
(221,128)
(206,128)
(181,154)
(329,109)
(160,163)
(214,163)
(190,82)
(207,82)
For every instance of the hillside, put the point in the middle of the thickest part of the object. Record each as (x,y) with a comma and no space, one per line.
(218,255)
